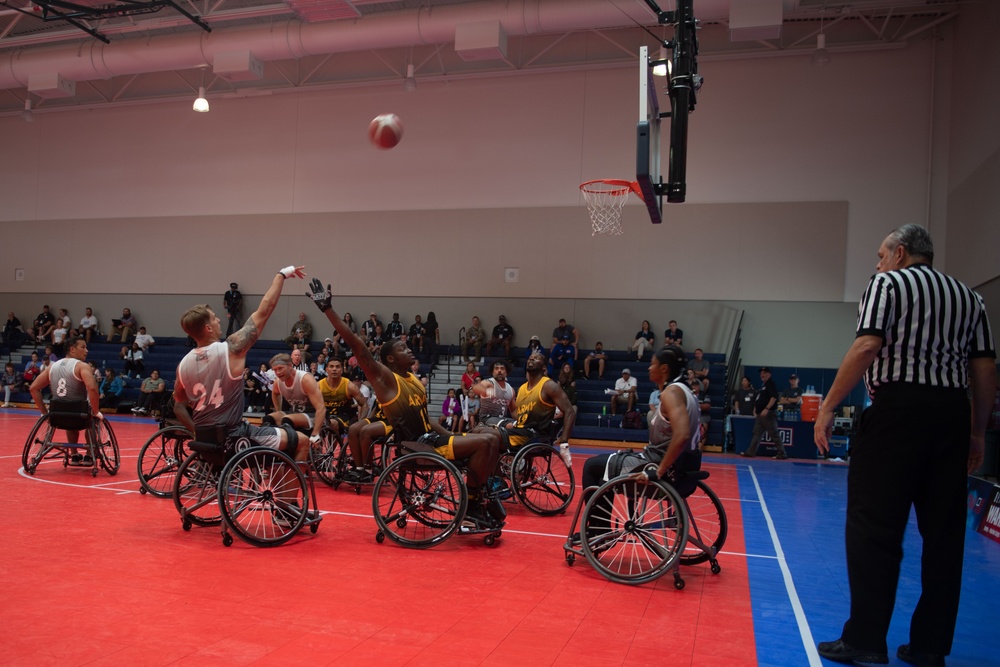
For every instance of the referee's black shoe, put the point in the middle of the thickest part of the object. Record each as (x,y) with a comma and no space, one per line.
(838,651)
(910,655)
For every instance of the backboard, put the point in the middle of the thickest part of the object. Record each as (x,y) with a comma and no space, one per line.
(647,147)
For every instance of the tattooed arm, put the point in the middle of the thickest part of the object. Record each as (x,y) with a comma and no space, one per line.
(241,341)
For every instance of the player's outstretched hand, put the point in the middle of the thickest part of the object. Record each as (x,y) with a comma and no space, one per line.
(293,272)
(321,297)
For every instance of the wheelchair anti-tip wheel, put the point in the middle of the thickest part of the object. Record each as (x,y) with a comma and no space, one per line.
(196,492)
(708,524)
(632,532)
(541,480)
(160,458)
(419,500)
(264,496)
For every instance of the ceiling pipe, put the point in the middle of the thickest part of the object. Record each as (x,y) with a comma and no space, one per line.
(293,39)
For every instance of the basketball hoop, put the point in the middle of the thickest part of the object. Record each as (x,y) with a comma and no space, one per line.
(605,199)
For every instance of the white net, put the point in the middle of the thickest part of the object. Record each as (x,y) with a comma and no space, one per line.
(605,200)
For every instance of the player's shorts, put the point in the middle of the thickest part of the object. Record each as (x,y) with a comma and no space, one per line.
(265,436)
(386,425)
(519,436)
(442,444)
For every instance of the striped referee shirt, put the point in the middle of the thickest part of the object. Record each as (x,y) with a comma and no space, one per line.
(930,324)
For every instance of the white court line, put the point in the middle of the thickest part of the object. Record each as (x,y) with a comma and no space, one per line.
(800,616)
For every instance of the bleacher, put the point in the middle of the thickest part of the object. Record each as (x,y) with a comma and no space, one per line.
(594,421)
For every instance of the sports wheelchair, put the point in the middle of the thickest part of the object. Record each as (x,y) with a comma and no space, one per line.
(100,446)
(258,493)
(635,531)
(536,474)
(162,455)
(331,458)
(421,499)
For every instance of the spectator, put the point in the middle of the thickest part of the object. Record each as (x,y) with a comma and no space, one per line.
(300,334)
(376,339)
(791,399)
(338,340)
(600,357)
(645,339)
(59,334)
(11,381)
(416,334)
(474,338)
(705,408)
(470,411)
(43,325)
(125,327)
(432,338)
(654,403)
(743,398)
(395,327)
(415,369)
(133,361)
(151,393)
(451,412)
(32,369)
(567,382)
(64,319)
(562,352)
(624,392)
(503,336)
(265,381)
(253,398)
(50,355)
(144,340)
(13,334)
(232,300)
(88,325)
(569,332)
(469,378)
(534,347)
(111,389)
(368,326)
(673,335)
(701,367)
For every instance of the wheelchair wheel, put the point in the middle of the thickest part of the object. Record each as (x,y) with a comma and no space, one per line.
(106,446)
(323,457)
(160,458)
(419,500)
(264,496)
(36,446)
(634,532)
(708,524)
(196,492)
(542,481)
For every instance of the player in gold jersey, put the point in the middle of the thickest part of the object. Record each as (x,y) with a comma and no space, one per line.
(339,396)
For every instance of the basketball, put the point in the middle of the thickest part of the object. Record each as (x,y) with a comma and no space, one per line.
(385,130)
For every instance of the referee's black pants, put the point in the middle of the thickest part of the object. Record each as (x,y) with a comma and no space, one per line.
(912,448)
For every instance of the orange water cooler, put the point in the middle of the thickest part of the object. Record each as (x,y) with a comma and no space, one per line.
(810,406)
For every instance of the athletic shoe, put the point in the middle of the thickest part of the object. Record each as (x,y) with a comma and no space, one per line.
(358,476)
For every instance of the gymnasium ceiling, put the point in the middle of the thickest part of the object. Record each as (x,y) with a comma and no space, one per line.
(119,52)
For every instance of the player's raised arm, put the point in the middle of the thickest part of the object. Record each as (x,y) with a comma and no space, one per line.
(241,341)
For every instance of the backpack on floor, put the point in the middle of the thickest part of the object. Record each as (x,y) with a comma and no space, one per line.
(633,420)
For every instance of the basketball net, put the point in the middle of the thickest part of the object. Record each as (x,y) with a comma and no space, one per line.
(605,199)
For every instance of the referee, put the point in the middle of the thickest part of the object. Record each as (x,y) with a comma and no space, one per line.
(923,341)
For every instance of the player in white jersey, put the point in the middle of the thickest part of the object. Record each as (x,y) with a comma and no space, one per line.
(208,393)
(72,381)
(496,397)
(300,391)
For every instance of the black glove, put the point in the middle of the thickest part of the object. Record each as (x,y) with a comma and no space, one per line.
(321,297)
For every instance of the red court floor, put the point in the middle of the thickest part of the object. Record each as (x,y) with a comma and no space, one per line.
(93,573)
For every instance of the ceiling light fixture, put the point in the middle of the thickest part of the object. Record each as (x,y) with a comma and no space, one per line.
(820,57)
(201,104)
(26,115)
(410,82)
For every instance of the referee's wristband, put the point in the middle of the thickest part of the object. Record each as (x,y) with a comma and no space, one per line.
(288,271)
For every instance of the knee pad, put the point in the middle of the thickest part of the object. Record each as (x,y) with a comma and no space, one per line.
(287,421)
(293,435)
(268,420)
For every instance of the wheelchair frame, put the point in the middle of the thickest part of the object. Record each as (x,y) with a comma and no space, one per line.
(637,531)
(240,488)
(99,442)
(537,474)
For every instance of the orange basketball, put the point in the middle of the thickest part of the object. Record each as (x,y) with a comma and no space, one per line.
(385,130)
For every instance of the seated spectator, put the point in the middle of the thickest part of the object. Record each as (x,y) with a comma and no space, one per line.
(50,355)
(451,412)
(654,403)
(700,366)
(705,405)
(300,334)
(376,339)
(503,336)
(314,371)
(125,327)
(151,394)
(88,325)
(12,382)
(144,340)
(475,336)
(58,336)
(32,369)
(251,391)
(368,326)
(600,357)
(569,332)
(470,412)
(338,340)
(535,347)
(624,392)
(744,397)
(111,390)
(320,362)
(673,335)
(64,319)
(395,328)
(43,325)
(562,352)
(469,377)
(132,356)
(265,381)
(416,334)
(13,333)
(645,339)
(415,369)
